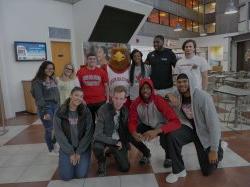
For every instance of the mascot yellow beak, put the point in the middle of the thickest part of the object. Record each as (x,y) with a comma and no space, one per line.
(118,56)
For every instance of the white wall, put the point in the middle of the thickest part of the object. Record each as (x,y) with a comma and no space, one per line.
(86,13)
(26,20)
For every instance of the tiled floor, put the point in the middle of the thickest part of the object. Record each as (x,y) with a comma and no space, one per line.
(24,162)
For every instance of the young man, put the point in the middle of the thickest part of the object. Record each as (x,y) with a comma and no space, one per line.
(161,61)
(151,116)
(195,65)
(94,83)
(111,132)
(200,126)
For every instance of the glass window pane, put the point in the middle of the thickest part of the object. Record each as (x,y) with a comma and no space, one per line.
(182,2)
(164,18)
(173,20)
(210,28)
(195,5)
(189,25)
(189,3)
(210,8)
(201,9)
(195,27)
(154,16)
(182,22)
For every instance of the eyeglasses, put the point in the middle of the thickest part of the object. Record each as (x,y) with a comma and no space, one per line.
(69,69)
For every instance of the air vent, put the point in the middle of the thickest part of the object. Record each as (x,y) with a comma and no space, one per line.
(59,33)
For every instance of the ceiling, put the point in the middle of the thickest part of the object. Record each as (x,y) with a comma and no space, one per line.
(69,1)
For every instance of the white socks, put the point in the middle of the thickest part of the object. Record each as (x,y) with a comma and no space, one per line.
(171,178)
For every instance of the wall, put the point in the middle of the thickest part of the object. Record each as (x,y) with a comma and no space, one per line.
(85,18)
(26,20)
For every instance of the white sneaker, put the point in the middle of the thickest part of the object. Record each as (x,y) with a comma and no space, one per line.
(224,145)
(171,178)
(53,153)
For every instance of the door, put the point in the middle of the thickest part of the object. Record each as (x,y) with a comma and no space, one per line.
(61,55)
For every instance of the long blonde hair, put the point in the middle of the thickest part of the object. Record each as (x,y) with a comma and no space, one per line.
(73,74)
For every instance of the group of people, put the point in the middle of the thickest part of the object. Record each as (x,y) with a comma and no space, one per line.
(86,115)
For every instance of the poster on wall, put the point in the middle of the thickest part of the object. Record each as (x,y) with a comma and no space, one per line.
(105,51)
(30,51)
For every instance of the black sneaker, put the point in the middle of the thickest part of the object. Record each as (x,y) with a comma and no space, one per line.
(101,169)
(167,163)
(144,160)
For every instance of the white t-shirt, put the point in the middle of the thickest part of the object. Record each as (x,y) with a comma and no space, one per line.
(118,79)
(184,65)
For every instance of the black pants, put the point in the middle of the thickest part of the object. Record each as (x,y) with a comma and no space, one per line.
(121,156)
(142,147)
(94,108)
(183,136)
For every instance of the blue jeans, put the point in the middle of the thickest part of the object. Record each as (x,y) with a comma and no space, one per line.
(67,171)
(48,124)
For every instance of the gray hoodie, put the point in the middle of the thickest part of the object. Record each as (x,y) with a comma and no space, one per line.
(206,119)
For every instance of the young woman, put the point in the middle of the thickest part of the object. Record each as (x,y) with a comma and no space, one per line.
(45,91)
(74,132)
(138,70)
(67,81)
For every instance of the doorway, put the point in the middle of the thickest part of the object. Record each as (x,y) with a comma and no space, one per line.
(61,55)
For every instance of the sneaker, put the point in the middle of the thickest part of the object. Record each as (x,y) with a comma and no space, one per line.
(53,153)
(144,160)
(101,169)
(172,178)
(224,145)
(167,163)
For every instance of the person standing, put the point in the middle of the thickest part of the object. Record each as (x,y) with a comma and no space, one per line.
(195,65)
(74,133)
(46,94)
(66,82)
(161,60)
(94,84)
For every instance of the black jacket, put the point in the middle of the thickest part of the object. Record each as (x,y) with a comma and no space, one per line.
(105,125)
(62,129)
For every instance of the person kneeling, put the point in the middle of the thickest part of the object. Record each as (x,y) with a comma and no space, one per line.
(74,131)
(201,126)
(111,133)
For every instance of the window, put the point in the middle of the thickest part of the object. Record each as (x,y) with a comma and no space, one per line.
(189,3)
(189,24)
(210,8)
(210,28)
(173,20)
(164,18)
(195,27)
(182,22)
(196,5)
(154,16)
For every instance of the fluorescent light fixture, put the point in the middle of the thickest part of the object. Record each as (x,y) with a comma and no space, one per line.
(231,8)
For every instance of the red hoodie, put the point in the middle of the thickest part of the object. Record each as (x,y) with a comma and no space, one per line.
(156,113)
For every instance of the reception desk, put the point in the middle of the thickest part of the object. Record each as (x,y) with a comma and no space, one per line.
(30,104)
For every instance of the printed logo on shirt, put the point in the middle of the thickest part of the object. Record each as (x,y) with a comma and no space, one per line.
(73,121)
(91,80)
(187,109)
(164,59)
(116,79)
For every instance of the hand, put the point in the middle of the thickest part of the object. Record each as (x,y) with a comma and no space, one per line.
(119,145)
(46,117)
(213,157)
(194,66)
(73,159)
(77,158)
(137,136)
(174,100)
(150,135)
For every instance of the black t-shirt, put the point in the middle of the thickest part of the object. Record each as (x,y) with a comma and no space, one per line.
(186,109)
(161,68)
